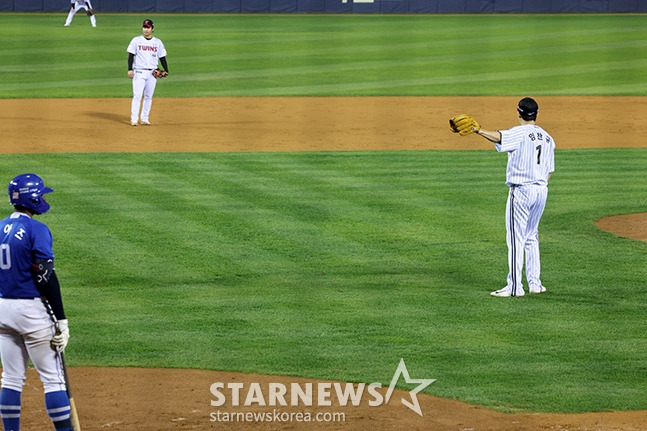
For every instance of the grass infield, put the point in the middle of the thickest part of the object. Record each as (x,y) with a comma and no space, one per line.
(337,264)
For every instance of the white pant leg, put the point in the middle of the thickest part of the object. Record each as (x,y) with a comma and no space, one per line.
(139,81)
(516,235)
(93,19)
(70,15)
(533,265)
(149,90)
(73,12)
(25,333)
(45,359)
(14,361)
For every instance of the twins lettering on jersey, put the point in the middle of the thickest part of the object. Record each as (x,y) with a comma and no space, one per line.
(146,51)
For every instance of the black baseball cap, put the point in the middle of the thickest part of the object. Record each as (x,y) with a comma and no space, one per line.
(148,23)
(528,107)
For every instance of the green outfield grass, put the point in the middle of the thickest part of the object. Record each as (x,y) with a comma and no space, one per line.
(279,55)
(337,264)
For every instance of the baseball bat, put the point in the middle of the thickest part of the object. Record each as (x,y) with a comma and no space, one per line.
(76,426)
(74,415)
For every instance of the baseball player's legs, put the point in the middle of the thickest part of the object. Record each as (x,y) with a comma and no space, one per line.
(516,224)
(14,369)
(13,352)
(93,19)
(48,364)
(45,359)
(10,402)
(26,333)
(14,361)
(138,88)
(149,90)
(533,267)
(57,405)
(70,15)
(533,264)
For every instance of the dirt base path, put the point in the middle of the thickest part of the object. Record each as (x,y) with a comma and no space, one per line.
(167,400)
(160,400)
(306,124)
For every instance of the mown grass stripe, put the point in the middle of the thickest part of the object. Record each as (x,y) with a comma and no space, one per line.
(329,55)
(322,47)
(438,83)
(355,87)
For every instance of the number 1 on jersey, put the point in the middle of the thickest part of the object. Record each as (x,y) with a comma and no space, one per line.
(538,148)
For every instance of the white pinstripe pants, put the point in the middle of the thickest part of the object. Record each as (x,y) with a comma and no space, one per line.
(524,209)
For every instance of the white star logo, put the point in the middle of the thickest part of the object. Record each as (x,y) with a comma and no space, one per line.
(422,383)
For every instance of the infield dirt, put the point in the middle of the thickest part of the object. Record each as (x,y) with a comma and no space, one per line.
(162,399)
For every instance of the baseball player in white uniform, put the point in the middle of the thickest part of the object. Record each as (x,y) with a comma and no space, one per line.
(77,5)
(531,161)
(144,53)
(30,303)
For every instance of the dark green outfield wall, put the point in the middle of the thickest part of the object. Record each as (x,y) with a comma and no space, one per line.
(337,6)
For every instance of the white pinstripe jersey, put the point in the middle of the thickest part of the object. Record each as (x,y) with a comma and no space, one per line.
(531,154)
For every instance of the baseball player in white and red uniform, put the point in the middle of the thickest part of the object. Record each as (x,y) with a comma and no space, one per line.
(77,5)
(531,161)
(31,308)
(144,54)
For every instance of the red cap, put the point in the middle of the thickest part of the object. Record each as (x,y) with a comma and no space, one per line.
(148,24)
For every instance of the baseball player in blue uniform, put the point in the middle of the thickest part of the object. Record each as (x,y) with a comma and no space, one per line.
(531,161)
(30,302)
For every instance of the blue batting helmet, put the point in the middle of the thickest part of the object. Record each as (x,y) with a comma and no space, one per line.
(27,190)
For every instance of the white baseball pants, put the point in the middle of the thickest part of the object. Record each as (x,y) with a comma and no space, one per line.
(143,83)
(68,21)
(25,333)
(524,209)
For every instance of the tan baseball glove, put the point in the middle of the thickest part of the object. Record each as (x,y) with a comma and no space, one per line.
(159,73)
(464,124)
(90,11)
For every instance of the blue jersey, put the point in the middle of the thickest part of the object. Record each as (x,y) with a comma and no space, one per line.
(23,241)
